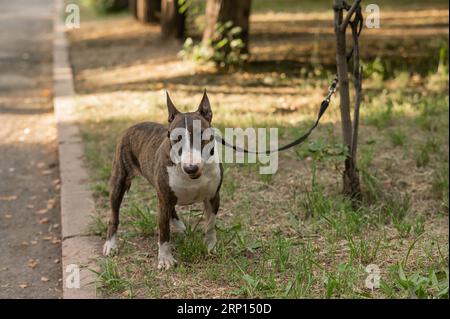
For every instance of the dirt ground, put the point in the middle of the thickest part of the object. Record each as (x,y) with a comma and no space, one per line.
(122,69)
(30,247)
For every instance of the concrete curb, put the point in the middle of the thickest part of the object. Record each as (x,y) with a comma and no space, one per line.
(77,204)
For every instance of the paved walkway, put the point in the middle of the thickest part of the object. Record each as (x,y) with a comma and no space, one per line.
(30,246)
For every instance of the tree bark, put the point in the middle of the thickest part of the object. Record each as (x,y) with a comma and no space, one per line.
(351,177)
(147,11)
(173,23)
(132,7)
(222,11)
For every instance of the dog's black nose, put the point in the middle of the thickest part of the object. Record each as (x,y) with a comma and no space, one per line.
(190,169)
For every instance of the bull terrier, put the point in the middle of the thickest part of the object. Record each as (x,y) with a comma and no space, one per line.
(148,149)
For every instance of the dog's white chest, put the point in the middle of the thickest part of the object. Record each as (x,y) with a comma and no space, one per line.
(189,191)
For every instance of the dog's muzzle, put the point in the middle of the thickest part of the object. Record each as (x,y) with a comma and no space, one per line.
(192,170)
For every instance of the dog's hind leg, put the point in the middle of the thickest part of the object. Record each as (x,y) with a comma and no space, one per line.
(211,209)
(120,183)
(176,223)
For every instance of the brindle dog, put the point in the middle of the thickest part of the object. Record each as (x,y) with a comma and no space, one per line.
(145,149)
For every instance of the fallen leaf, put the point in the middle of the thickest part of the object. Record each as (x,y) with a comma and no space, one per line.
(40,165)
(8,216)
(30,206)
(46,172)
(56,261)
(32,263)
(48,238)
(42,211)
(45,93)
(33,242)
(8,198)
(51,203)
(44,279)
(43,220)
(52,165)
(23,286)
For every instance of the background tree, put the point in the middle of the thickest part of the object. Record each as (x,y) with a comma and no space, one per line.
(223,11)
(147,11)
(173,20)
(132,7)
(352,186)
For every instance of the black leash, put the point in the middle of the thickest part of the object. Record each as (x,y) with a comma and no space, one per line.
(356,24)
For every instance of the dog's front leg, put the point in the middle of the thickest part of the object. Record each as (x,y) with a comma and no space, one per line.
(211,208)
(165,258)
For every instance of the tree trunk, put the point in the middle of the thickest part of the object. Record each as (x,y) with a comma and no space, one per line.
(147,11)
(173,23)
(351,177)
(132,7)
(222,11)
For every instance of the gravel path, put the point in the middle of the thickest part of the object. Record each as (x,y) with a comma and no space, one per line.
(30,246)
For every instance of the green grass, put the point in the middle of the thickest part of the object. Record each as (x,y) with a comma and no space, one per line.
(363,251)
(424,152)
(98,226)
(440,185)
(110,278)
(142,219)
(340,282)
(190,247)
(397,138)
(381,117)
(417,284)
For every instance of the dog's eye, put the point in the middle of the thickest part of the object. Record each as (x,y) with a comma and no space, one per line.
(211,152)
(180,151)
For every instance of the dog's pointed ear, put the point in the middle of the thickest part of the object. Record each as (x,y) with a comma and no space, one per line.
(171,108)
(205,108)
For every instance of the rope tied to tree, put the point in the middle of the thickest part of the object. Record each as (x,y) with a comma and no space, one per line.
(356,25)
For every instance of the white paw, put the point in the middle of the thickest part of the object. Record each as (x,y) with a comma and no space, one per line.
(110,246)
(177,225)
(165,258)
(210,240)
